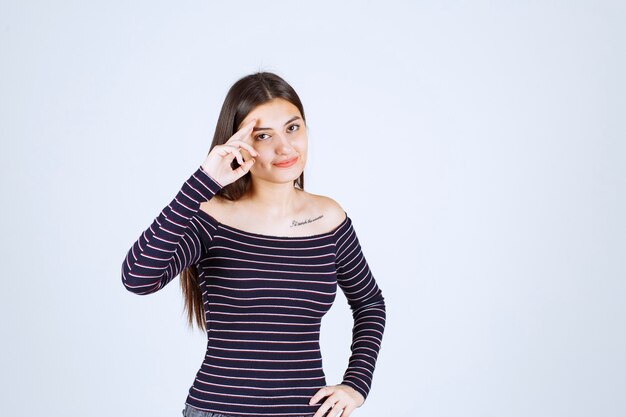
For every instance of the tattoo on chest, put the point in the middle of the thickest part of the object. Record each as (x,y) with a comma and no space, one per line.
(297,223)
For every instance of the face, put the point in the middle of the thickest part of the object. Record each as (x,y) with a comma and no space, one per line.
(279,135)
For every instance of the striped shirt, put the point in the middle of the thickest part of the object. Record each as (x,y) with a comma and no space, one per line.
(264,298)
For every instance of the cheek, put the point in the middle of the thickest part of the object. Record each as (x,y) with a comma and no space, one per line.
(302,142)
(265,156)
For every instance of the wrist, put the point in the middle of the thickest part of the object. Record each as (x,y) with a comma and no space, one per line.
(211,176)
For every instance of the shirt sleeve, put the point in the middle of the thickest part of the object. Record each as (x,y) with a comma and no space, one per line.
(170,244)
(368,309)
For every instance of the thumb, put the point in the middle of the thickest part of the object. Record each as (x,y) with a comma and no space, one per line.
(245,167)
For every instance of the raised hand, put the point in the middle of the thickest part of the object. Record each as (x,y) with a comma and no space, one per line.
(217,163)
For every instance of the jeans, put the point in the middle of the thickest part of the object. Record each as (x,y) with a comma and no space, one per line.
(190,411)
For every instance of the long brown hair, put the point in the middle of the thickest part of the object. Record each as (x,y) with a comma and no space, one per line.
(245,95)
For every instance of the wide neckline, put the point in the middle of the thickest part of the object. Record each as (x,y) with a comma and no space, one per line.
(259,235)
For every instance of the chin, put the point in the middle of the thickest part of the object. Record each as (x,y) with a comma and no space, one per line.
(290,178)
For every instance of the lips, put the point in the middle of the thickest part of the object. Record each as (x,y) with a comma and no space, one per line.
(287,162)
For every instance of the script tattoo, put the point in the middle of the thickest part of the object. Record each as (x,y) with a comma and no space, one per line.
(297,223)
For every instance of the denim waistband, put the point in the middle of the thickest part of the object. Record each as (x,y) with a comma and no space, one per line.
(190,411)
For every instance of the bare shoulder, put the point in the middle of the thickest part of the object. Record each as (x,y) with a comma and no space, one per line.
(332,211)
(215,206)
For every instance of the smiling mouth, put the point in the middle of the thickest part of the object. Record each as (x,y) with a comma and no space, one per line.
(287,163)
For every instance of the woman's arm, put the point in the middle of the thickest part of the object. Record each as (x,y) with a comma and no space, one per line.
(368,310)
(170,244)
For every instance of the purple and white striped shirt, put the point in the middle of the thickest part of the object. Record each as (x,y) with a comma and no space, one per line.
(264,298)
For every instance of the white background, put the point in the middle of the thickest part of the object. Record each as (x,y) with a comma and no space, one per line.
(479,148)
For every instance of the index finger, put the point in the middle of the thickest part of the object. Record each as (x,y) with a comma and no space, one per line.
(244,146)
(243,134)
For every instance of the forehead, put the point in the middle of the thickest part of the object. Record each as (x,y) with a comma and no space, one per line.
(274,112)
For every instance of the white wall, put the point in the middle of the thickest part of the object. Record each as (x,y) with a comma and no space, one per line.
(478,147)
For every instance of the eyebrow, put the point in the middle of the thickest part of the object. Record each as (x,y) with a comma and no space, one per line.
(254,129)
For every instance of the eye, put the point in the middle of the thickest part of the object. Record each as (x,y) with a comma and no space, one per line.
(296,125)
(258,137)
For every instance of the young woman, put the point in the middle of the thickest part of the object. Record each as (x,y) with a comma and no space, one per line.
(260,260)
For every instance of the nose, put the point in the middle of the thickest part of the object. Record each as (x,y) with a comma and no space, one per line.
(284,146)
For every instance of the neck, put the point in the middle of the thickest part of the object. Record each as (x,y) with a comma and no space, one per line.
(271,198)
